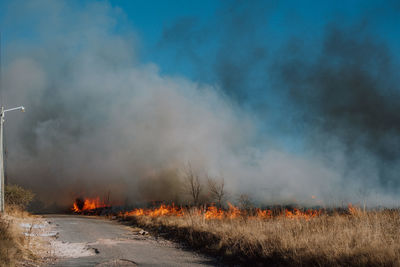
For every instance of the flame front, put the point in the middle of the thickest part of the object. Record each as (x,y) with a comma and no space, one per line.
(214,213)
(208,213)
(163,210)
(88,204)
(75,207)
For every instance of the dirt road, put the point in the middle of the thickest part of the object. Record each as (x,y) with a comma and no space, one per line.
(88,241)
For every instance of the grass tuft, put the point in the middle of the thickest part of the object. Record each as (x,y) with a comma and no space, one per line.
(10,243)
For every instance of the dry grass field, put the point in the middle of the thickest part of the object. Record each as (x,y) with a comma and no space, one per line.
(351,238)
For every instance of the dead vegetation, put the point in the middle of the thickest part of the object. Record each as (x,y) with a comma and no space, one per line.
(355,238)
(216,188)
(10,243)
(18,197)
(14,246)
(192,184)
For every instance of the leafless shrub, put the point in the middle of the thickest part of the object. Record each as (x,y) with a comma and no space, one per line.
(192,184)
(245,202)
(216,189)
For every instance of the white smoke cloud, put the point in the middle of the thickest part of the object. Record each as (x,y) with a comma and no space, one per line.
(100,120)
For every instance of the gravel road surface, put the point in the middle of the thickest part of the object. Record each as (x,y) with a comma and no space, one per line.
(90,241)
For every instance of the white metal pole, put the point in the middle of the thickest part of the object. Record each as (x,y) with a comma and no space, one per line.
(1,161)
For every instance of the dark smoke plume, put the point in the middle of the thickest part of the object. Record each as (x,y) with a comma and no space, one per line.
(349,92)
(335,92)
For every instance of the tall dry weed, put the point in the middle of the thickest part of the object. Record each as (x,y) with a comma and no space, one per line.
(10,243)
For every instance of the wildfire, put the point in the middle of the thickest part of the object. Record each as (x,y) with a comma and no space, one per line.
(163,210)
(88,204)
(308,214)
(214,213)
(208,213)
(264,214)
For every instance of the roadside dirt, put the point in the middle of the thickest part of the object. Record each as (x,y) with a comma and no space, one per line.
(66,240)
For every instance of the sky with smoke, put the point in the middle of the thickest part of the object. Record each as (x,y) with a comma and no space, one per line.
(285,100)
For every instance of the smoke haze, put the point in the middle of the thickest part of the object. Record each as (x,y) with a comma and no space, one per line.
(100,120)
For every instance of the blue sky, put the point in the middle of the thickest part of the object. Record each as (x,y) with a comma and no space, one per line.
(281,20)
(276,22)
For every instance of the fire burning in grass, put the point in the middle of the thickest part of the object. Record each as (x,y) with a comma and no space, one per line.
(88,204)
(209,213)
(214,213)
(163,210)
(288,237)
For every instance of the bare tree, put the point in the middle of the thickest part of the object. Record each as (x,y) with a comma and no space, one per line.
(216,189)
(245,202)
(192,184)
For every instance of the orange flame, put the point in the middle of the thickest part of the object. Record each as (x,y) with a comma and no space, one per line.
(88,204)
(263,214)
(163,210)
(233,212)
(354,210)
(296,214)
(215,213)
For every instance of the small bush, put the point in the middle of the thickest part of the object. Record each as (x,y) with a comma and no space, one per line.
(18,196)
(10,249)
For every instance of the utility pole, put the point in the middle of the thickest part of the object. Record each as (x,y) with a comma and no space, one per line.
(1,139)
(2,119)
(1,162)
